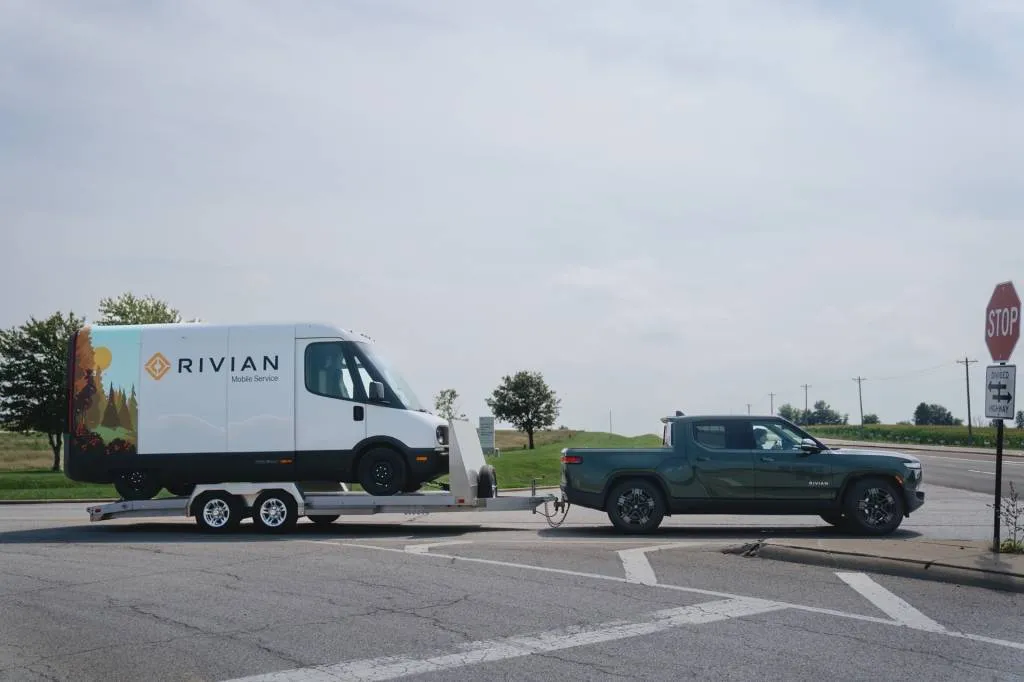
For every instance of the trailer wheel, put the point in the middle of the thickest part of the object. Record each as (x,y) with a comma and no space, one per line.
(275,511)
(218,512)
(323,519)
(136,485)
(487,482)
(382,472)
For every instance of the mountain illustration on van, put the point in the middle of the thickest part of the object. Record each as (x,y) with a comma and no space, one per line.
(105,404)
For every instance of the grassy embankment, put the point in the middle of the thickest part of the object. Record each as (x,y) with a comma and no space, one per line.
(25,460)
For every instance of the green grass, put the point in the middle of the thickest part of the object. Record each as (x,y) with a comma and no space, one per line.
(984,436)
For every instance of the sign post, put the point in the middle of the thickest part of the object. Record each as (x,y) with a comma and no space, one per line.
(1002,329)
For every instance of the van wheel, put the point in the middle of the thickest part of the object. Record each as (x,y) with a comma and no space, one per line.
(323,519)
(636,506)
(873,506)
(218,512)
(136,485)
(181,489)
(275,511)
(487,482)
(382,472)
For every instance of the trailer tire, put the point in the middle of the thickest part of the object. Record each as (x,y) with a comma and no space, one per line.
(323,519)
(136,485)
(218,512)
(275,511)
(487,482)
(382,471)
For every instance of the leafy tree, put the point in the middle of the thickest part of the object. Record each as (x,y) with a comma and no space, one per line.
(790,413)
(934,415)
(525,401)
(32,385)
(823,414)
(131,309)
(1020,419)
(872,419)
(444,403)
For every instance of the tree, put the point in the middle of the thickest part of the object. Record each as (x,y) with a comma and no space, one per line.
(871,419)
(444,403)
(130,309)
(790,413)
(823,414)
(934,415)
(32,384)
(525,401)
(1020,419)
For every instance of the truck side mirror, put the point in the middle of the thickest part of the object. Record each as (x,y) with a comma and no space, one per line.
(376,392)
(808,445)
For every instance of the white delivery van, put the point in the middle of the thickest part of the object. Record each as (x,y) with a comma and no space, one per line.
(176,405)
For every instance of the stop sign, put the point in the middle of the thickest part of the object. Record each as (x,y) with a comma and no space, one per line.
(1002,322)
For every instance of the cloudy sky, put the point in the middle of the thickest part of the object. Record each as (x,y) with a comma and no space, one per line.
(659,205)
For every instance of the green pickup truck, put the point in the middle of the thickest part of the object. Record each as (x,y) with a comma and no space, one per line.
(743,465)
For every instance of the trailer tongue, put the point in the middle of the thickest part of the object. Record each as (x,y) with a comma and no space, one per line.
(276,507)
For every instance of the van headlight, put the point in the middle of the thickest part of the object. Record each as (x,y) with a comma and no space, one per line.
(442,435)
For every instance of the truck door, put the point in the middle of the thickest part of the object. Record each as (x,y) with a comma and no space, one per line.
(783,471)
(723,469)
(330,416)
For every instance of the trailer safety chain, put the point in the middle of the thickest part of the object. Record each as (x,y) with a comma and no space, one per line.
(559,504)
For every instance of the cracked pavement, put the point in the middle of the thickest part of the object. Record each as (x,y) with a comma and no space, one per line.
(145,600)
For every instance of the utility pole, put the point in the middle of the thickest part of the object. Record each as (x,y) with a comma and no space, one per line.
(748,408)
(967,362)
(806,410)
(860,398)
(610,422)
(773,403)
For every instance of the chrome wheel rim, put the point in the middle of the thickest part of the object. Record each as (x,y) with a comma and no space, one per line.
(635,506)
(216,513)
(273,512)
(877,507)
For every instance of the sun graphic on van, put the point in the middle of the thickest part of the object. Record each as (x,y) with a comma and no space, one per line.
(158,366)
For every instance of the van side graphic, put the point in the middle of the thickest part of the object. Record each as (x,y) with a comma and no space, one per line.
(106,407)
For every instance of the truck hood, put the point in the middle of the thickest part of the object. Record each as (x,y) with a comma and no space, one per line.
(858,452)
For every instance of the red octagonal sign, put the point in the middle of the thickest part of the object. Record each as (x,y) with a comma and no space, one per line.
(1002,322)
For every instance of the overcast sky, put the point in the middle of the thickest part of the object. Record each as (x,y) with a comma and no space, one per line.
(659,205)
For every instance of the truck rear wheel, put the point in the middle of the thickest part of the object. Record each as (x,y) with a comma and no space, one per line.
(217,511)
(636,506)
(136,485)
(275,511)
(382,472)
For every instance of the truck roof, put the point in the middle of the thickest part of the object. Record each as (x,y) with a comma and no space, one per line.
(680,417)
(302,330)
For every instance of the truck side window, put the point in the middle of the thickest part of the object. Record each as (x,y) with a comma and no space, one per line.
(327,370)
(710,435)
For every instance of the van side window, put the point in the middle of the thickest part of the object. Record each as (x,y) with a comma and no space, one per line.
(327,371)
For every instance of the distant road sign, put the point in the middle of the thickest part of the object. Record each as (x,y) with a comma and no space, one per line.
(1000,391)
(486,432)
(1002,322)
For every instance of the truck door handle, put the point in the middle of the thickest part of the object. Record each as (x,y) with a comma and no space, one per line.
(357,413)
(767,459)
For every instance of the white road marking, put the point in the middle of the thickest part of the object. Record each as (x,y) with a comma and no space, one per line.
(976,461)
(472,653)
(975,471)
(894,607)
(675,588)
(424,547)
(638,568)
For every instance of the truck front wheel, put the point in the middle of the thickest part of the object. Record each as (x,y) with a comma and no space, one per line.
(636,506)
(382,472)
(873,506)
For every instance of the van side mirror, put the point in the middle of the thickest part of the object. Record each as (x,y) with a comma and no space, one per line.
(376,392)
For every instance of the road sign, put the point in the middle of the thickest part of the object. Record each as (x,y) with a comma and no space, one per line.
(1002,322)
(1000,391)
(486,433)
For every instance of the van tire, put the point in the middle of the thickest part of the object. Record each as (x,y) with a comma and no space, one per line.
(275,511)
(181,489)
(382,471)
(323,519)
(137,485)
(645,499)
(218,512)
(487,482)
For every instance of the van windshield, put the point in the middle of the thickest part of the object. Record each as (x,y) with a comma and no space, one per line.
(395,380)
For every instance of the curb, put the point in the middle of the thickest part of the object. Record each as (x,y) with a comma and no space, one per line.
(900,567)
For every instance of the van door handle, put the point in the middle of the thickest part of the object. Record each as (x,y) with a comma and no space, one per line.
(357,413)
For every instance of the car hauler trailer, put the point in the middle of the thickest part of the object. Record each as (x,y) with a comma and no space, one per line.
(276,506)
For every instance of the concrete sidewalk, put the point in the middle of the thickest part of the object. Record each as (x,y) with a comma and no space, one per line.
(910,447)
(955,561)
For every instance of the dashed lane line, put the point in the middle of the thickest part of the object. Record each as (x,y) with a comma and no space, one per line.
(489,651)
(679,588)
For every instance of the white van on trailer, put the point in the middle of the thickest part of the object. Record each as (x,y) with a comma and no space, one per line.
(277,506)
(178,406)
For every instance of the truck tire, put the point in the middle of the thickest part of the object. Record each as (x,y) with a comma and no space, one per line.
(137,485)
(636,506)
(218,512)
(873,506)
(487,482)
(323,519)
(382,472)
(275,511)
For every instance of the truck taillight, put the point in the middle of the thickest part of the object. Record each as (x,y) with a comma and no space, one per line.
(572,459)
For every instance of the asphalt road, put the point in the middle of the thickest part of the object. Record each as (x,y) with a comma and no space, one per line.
(501,595)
